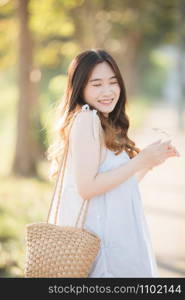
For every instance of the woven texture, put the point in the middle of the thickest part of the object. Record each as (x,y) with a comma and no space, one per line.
(60,251)
(54,251)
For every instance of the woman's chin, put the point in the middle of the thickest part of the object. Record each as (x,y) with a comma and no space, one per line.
(106,108)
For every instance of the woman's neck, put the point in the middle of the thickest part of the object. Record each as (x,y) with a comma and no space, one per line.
(106,115)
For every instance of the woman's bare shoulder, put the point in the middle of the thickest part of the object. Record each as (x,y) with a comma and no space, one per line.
(85,121)
(86,116)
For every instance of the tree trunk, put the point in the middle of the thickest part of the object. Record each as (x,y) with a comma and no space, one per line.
(27,149)
(128,62)
(87,33)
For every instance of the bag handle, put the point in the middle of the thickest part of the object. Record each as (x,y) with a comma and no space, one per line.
(61,171)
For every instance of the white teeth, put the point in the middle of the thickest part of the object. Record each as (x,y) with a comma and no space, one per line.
(106,101)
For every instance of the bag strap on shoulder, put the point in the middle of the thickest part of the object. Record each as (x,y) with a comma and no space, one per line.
(61,171)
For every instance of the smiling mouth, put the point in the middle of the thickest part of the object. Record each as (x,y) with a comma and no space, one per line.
(108,101)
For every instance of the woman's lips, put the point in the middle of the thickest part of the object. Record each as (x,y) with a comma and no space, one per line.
(105,102)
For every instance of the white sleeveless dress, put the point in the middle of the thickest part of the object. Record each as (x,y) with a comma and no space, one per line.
(117,217)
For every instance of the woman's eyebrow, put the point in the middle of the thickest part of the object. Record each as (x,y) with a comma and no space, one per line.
(97,79)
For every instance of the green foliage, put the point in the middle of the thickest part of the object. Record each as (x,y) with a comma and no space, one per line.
(26,202)
(57,85)
(153,83)
(8,44)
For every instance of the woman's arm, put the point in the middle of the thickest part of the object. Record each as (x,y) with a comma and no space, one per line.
(139,175)
(85,147)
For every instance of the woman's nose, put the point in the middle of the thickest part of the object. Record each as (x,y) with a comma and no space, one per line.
(107,90)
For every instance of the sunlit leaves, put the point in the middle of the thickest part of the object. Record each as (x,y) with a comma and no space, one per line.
(49,18)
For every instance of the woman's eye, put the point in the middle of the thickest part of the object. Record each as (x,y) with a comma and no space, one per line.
(114,82)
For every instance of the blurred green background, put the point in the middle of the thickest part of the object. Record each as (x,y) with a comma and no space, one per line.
(38,39)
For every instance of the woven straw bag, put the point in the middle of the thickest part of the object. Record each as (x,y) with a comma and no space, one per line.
(54,251)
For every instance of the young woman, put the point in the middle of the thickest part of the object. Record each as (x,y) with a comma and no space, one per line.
(104,167)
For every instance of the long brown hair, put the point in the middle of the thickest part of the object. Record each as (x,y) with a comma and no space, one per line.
(115,126)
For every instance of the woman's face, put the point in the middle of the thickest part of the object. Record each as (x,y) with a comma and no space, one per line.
(102,90)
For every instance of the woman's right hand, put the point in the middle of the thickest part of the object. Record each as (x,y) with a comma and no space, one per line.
(156,153)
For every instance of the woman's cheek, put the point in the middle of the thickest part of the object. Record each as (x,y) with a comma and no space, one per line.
(117,91)
(94,93)
(117,88)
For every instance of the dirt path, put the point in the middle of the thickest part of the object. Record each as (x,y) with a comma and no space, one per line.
(163,193)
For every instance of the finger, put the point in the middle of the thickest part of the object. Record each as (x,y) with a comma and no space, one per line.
(172,153)
(170,147)
(176,152)
(167,144)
